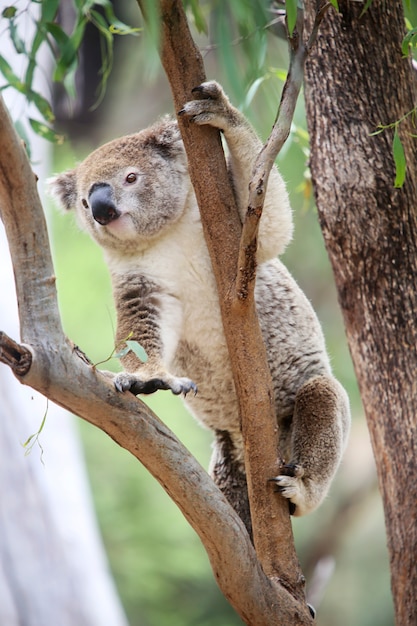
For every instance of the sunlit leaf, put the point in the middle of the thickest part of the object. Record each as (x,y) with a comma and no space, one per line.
(280,73)
(334,4)
(46,132)
(10,76)
(399,160)
(41,104)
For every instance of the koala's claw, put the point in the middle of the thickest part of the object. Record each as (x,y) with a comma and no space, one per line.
(289,484)
(129,382)
(212,107)
(210,89)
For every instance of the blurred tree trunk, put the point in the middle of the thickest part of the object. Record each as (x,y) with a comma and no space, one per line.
(357,79)
(53,569)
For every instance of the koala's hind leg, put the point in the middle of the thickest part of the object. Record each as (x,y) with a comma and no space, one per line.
(319,431)
(229,476)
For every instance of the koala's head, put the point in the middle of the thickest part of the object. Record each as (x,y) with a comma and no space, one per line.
(131,189)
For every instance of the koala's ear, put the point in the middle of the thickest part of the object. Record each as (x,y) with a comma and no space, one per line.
(63,188)
(164,137)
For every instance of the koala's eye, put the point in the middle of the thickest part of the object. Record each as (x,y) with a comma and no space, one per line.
(131,178)
(84,203)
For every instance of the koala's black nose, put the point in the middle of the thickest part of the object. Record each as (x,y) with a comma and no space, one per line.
(102,205)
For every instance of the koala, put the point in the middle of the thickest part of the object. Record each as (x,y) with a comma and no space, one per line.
(135,198)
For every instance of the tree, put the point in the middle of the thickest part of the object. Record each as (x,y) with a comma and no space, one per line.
(357,80)
(133,426)
(46,364)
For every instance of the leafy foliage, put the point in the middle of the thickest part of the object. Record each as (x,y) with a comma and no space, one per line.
(64,49)
(124,347)
(397,146)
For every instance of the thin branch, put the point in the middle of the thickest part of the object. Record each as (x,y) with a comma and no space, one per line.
(266,158)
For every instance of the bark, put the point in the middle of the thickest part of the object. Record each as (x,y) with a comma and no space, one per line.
(57,371)
(357,79)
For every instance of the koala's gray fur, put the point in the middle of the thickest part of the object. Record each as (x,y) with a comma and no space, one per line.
(135,198)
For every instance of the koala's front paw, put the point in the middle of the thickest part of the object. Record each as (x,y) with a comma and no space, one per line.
(289,484)
(136,385)
(213,107)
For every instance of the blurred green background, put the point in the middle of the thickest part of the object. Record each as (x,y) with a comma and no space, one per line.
(161,570)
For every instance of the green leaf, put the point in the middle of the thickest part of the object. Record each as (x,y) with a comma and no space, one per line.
(10,76)
(30,441)
(366,7)
(49,10)
(334,4)
(409,40)
(9,12)
(399,160)
(138,350)
(46,132)
(41,104)
(291,8)
(198,17)
(39,101)
(19,44)
(121,353)
(253,90)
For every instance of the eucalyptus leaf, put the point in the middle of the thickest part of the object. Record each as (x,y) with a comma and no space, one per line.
(121,353)
(399,160)
(46,132)
(409,40)
(291,8)
(9,12)
(137,349)
(18,43)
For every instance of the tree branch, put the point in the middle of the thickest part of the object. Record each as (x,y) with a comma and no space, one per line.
(58,372)
(272,530)
(17,357)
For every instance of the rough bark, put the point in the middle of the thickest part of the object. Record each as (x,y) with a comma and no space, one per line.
(357,79)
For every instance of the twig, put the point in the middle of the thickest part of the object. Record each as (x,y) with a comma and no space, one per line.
(17,357)
(257,188)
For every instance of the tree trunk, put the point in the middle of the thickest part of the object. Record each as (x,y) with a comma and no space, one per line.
(357,79)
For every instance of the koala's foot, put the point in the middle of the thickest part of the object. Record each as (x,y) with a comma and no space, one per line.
(136,385)
(213,107)
(289,483)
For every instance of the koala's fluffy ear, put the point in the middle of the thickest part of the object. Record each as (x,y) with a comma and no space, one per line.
(164,137)
(63,187)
